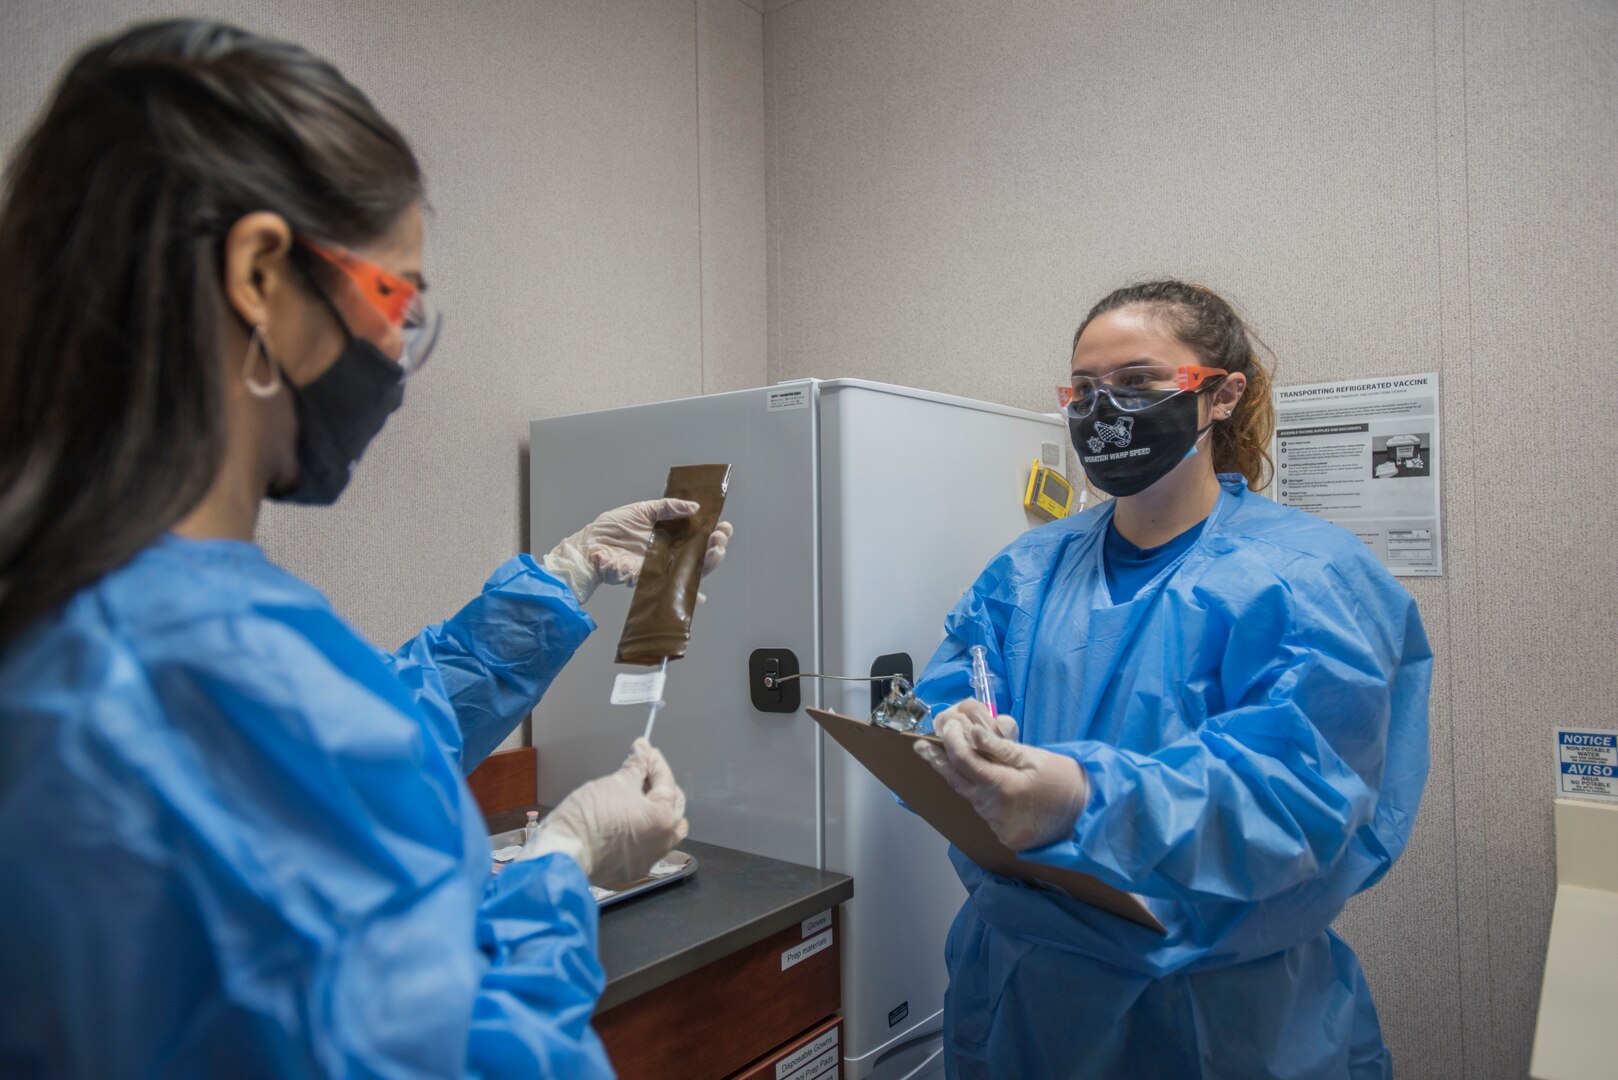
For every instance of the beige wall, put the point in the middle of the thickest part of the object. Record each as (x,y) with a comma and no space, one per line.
(1386,187)
(596,172)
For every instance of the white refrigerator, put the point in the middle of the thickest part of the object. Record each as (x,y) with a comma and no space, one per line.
(863,512)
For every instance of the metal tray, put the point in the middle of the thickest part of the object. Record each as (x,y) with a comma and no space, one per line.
(683,866)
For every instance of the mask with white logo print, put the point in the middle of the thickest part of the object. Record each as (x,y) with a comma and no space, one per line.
(1124,453)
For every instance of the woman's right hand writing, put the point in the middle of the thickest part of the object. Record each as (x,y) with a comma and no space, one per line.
(1028,796)
(972,711)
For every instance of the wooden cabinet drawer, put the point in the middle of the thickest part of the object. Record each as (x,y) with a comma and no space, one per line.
(815,1055)
(729,1014)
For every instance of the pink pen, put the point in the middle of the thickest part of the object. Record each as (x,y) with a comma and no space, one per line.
(980,679)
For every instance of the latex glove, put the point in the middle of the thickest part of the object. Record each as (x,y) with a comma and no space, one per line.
(1028,796)
(1004,726)
(718,542)
(612,548)
(616,827)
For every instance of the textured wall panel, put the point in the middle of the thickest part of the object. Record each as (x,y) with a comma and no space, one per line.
(952,184)
(1460,682)
(1542,132)
(731,83)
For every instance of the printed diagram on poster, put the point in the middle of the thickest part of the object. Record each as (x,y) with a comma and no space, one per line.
(1365,455)
(1393,456)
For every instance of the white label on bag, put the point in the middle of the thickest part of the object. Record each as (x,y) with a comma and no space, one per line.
(644,689)
(792,397)
(799,953)
(822,1066)
(817,924)
(802,1054)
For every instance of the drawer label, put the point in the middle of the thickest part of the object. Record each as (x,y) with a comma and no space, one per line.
(823,1066)
(802,1054)
(799,953)
(817,924)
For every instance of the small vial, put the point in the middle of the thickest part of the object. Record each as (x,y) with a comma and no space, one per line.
(530,835)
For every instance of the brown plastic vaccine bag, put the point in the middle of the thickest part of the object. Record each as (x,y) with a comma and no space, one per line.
(659,622)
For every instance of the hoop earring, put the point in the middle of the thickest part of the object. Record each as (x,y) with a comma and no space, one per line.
(260,390)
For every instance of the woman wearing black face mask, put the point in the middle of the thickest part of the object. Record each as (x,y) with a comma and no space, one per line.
(1206,699)
(235,837)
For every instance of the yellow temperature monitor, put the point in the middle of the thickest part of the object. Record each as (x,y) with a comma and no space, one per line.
(1049,494)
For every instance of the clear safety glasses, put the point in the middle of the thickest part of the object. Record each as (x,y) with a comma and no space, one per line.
(403,308)
(1134,387)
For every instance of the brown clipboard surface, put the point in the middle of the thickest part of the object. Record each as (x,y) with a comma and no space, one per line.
(889,756)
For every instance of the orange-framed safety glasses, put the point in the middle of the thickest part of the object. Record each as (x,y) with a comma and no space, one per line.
(1134,387)
(402,305)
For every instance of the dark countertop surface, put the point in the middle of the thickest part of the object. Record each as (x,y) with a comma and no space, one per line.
(732,901)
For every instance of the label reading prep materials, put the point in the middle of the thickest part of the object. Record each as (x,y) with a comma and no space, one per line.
(1587,764)
(799,953)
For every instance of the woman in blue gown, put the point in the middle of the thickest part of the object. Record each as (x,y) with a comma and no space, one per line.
(235,838)
(1206,699)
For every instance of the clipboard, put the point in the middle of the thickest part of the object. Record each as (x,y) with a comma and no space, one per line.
(889,756)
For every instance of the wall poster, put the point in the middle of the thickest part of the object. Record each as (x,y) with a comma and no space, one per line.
(1365,455)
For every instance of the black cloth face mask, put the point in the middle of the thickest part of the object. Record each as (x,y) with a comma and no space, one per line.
(1125,452)
(338,416)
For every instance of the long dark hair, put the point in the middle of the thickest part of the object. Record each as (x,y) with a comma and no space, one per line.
(1210,325)
(112,227)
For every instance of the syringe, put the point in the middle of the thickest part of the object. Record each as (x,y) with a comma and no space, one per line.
(982,689)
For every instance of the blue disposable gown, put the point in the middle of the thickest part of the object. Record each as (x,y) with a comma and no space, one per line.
(235,839)
(1254,729)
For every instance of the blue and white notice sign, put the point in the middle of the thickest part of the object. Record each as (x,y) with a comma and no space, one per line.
(1587,764)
